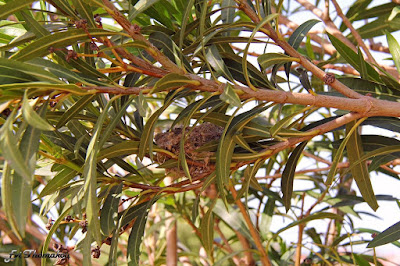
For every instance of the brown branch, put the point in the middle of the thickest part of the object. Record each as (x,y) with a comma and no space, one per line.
(340,87)
(330,26)
(355,33)
(365,105)
(171,234)
(300,233)
(256,236)
(235,258)
(134,32)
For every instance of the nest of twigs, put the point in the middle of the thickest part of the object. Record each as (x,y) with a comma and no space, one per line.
(195,138)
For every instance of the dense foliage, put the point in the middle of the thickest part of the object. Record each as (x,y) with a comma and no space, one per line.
(156,131)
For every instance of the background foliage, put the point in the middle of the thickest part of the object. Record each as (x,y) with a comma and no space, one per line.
(151,132)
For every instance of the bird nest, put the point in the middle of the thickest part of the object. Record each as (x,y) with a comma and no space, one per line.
(195,138)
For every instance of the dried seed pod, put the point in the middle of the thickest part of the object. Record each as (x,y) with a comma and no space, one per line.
(93,46)
(49,224)
(71,54)
(329,78)
(96,252)
(84,225)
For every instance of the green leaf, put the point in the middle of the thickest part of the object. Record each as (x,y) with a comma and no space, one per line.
(6,198)
(215,60)
(360,260)
(123,148)
(297,36)
(164,42)
(173,80)
(207,229)
(389,235)
(228,11)
(74,109)
(363,64)
(360,171)
(141,104)
(109,212)
(339,154)
(8,143)
(32,25)
(235,66)
(394,48)
(395,12)
(34,72)
(137,231)
(41,46)
(264,21)
(90,175)
(84,10)
(12,7)
(288,174)
(32,118)
(315,216)
(229,96)
(58,181)
(270,59)
(275,129)
(352,58)
(21,188)
(113,123)
(52,230)
(146,139)
(140,7)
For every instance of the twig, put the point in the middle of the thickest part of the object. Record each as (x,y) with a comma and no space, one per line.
(171,234)
(300,233)
(340,87)
(134,32)
(256,236)
(354,32)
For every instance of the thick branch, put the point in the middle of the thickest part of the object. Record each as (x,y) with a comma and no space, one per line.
(365,105)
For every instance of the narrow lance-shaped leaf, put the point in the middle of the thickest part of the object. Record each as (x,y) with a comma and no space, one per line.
(207,229)
(52,230)
(270,59)
(363,64)
(8,142)
(137,231)
(41,46)
(360,172)
(339,153)
(297,36)
(389,235)
(173,80)
(13,6)
(32,118)
(146,139)
(229,96)
(215,60)
(264,21)
(352,57)
(288,174)
(21,189)
(6,197)
(90,175)
(109,212)
(394,48)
